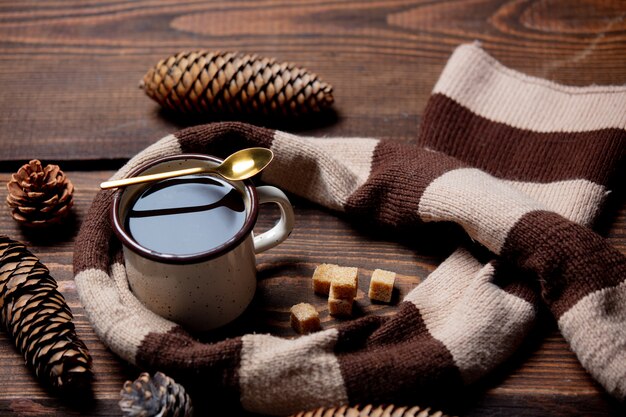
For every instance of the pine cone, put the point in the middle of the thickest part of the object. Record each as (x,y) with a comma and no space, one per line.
(371,411)
(39,196)
(157,396)
(36,316)
(220,82)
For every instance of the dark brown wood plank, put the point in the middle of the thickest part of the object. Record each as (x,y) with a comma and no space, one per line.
(70,69)
(544,378)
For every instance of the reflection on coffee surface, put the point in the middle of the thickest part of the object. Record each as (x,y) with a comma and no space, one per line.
(186,215)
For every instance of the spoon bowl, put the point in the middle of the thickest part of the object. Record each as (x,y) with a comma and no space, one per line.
(238,166)
(245,163)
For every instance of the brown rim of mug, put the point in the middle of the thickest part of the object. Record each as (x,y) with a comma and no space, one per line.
(167,258)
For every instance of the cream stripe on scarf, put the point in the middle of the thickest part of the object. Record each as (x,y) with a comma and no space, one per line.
(473,199)
(326,171)
(594,328)
(279,375)
(478,322)
(479,82)
(114,312)
(578,200)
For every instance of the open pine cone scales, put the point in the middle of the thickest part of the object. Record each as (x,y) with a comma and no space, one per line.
(38,319)
(155,396)
(39,196)
(224,82)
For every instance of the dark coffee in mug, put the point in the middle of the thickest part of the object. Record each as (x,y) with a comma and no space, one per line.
(186,215)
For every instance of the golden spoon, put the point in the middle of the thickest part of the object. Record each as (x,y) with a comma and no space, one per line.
(238,166)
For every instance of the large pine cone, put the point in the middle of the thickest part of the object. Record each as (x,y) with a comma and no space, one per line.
(36,316)
(234,83)
(157,396)
(371,411)
(39,196)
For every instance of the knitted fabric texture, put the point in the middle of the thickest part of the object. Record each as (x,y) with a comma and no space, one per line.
(522,164)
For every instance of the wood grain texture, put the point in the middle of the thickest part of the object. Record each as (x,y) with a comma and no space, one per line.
(70,69)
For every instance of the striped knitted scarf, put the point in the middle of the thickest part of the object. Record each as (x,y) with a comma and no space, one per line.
(522,164)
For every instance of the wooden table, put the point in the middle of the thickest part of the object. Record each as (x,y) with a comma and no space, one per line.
(69,80)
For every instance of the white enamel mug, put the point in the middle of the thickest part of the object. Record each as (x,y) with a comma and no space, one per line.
(200,291)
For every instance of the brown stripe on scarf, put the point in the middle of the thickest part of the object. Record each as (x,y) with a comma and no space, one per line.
(395,358)
(518,154)
(222,139)
(215,362)
(92,249)
(570,260)
(400,173)
(116,253)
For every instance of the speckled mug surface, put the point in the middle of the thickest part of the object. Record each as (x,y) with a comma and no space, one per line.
(206,290)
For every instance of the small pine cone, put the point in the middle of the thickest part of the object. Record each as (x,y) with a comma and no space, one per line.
(38,319)
(39,196)
(371,411)
(198,82)
(157,396)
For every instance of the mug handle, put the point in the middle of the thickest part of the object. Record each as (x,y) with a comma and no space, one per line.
(282,229)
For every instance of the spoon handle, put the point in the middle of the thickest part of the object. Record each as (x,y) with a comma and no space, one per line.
(152,177)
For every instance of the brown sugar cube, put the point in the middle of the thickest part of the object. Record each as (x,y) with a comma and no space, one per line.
(304,318)
(381,285)
(322,277)
(340,306)
(344,283)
